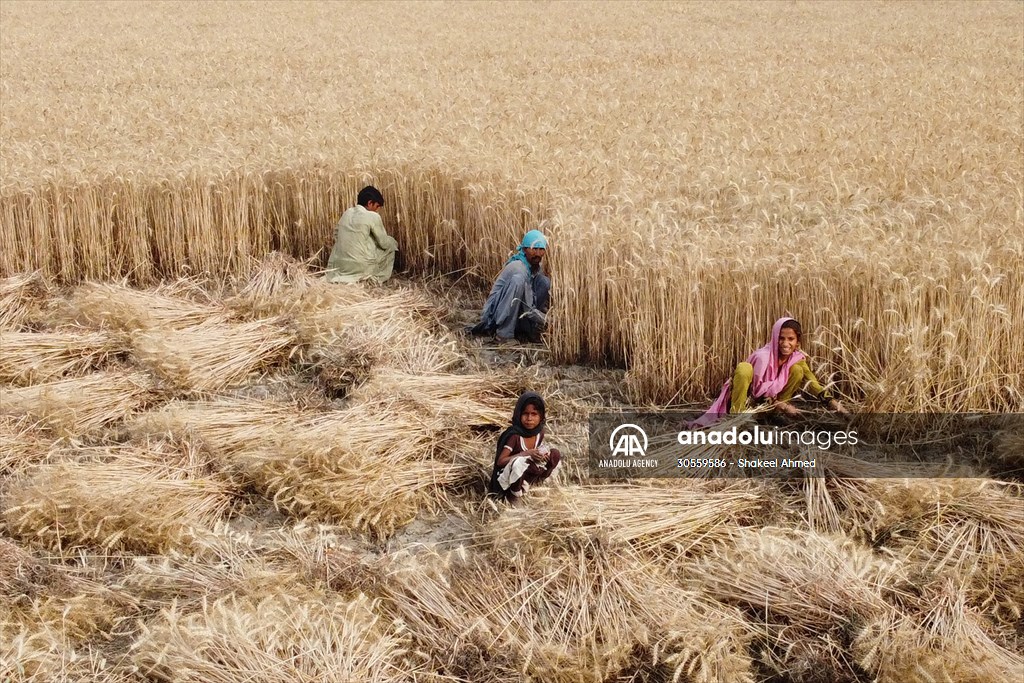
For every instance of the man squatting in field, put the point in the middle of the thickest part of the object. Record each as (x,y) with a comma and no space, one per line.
(776,371)
(519,299)
(363,250)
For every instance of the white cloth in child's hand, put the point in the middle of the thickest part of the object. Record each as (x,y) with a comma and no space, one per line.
(513,471)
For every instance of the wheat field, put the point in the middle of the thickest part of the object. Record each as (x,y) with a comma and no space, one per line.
(701,169)
(270,481)
(216,467)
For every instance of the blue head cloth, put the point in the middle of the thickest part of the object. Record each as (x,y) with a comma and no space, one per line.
(534,239)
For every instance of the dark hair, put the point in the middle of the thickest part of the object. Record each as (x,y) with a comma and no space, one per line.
(369,194)
(536,403)
(795,326)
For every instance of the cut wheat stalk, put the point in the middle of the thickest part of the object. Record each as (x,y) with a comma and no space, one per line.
(297,635)
(119,307)
(210,356)
(568,617)
(670,525)
(37,357)
(145,500)
(942,640)
(81,405)
(20,296)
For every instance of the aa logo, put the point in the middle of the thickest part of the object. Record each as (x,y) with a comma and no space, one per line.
(628,441)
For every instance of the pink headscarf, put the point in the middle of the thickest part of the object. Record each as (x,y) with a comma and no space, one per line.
(769,378)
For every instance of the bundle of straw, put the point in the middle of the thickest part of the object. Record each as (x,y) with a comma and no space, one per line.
(338,368)
(23,577)
(446,399)
(280,284)
(121,497)
(1009,451)
(664,524)
(230,559)
(20,295)
(373,473)
(34,357)
(971,530)
(943,640)
(386,337)
(366,469)
(301,635)
(211,356)
(224,426)
(58,640)
(566,618)
(187,581)
(79,406)
(22,445)
(49,614)
(812,592)
(122,308)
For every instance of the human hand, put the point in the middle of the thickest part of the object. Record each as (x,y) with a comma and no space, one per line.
(788,409)
(838,407)
(536,456)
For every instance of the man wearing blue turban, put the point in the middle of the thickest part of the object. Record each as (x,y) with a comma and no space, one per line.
(518,301)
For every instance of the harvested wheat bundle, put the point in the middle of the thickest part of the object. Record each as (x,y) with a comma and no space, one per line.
(81,405)
(182,579)
(48,613)
(338,368)
(211,356)
(840,505)
(814,590)
(223,426)
(23,577)
(666,524)
(969,529)
(143,499)
(36,357)
(324,308)
(452,400)
(346,330)
(119,307)
(944,640)
(29,656)
(276,286)
(301,635)
(1009,452)
(348,342)
(20,296)
(568,617)
(376,490)
(368,470)
(78,610)
(22,445)
(304,549)
(853,496)
(393,340)
(806,578)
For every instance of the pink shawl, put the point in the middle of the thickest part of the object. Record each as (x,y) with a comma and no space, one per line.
(769,378)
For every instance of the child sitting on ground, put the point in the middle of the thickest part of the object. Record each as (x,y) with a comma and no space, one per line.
(776,371)
(523,458)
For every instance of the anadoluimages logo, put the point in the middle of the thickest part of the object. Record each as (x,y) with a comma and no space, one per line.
(631,441)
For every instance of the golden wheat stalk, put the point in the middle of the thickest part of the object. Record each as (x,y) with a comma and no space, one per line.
(113,498)
(38,357)
(301,635)
(81,405)
(20,295)
(212,355)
